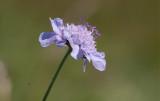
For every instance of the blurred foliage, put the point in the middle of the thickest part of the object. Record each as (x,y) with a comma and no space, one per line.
(129,30)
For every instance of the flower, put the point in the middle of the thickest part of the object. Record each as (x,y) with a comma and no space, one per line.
(81,38)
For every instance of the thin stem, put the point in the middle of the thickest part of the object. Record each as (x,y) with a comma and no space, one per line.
(56,74)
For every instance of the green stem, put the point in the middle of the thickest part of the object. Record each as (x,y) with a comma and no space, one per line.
(56,74)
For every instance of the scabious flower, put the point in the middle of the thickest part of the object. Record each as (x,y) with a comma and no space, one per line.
(79,37)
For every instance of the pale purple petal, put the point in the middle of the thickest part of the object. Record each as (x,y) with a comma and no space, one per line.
(66,35)
(99,65)
(99,54)
(47,38)
(76,52)
(87,56)
(98,62)
(84,51)
(57,25)
(61,43)
(84,64)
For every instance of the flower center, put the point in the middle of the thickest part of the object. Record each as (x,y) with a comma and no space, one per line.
(82,36)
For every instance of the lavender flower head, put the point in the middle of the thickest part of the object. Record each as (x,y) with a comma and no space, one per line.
(79,37)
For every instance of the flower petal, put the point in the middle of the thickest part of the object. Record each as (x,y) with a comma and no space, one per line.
(57,25)
(66,34)
(98,62)
(100,54)
(99,65)
(47,38)
(87,56)
(85,51)
(84,64)
(61,43)
(76,52)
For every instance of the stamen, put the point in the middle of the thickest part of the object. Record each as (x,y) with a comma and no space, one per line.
(93,27)
(95,38)
(96,30)
(93,34)
(80,19)
(87,24)
(98,34)
(90,27)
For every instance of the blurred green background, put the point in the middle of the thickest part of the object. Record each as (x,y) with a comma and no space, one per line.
(129,30)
